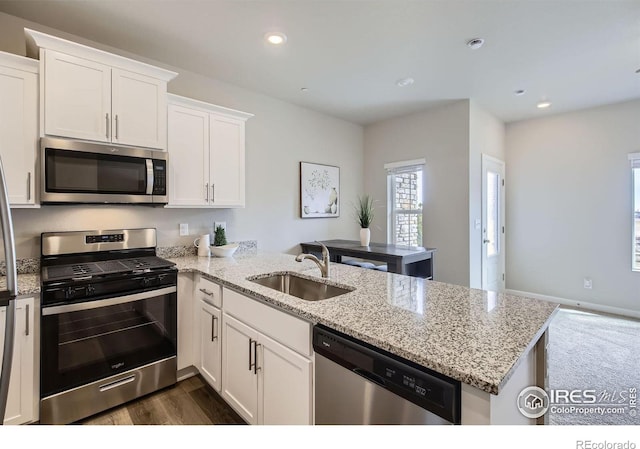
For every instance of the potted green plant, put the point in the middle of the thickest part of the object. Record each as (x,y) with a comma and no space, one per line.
(220,246)
(364,214)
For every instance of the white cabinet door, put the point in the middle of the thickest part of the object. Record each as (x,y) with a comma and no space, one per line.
(19,132)
(284,385)
(210,354)
(77,97)
(20,404)
(188,147)
(185,321)
(139,110)
(226,136)
(240,386)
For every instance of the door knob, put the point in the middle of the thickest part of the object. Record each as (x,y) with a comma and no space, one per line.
(486,241)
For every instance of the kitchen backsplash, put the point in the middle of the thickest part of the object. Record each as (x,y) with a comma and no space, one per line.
(245,247)
(32,265)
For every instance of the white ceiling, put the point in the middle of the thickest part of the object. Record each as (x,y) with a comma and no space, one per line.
(349,54)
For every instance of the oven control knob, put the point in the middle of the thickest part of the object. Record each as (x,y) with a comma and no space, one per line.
(146,282)
(69,292)
(90,290)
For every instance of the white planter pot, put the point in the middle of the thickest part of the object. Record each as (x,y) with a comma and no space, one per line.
(365,236)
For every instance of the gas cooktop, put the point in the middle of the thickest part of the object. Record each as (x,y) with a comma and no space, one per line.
(82,271)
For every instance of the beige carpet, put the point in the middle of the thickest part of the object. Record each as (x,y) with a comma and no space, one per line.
(588,351)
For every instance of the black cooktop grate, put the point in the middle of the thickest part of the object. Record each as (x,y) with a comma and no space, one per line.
(106,267)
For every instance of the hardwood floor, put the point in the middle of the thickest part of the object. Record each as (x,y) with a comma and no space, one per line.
(191,401)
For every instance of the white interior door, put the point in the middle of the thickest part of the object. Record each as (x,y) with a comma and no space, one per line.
(493,224)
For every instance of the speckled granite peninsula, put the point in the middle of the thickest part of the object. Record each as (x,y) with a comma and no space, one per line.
(473,336)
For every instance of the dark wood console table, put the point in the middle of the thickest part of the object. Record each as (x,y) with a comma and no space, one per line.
(412,261)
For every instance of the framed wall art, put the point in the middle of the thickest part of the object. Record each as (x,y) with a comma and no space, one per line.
(319,190)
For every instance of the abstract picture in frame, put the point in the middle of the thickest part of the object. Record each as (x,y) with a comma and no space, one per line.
(319,190)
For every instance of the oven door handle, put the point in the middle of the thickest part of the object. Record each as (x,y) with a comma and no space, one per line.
(57,310)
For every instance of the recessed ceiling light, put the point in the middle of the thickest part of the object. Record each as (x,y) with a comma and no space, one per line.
(519,92)
(405,82)
(304,89)
(476,43)
(276,38)
(638,71)
(544,104)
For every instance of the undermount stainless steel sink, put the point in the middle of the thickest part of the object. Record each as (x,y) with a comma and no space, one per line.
(303,288)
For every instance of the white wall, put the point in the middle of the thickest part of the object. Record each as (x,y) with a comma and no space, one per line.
(486,136)
(278,138)
(441,136)
(569,209)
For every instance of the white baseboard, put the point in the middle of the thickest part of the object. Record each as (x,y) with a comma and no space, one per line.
(579,304)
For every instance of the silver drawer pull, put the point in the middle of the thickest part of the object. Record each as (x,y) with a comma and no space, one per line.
(26,331)
(206,292)
(117,383)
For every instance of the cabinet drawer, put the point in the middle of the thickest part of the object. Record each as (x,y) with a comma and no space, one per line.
(279,325)
(208,291)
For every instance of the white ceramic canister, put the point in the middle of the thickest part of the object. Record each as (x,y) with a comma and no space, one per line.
(203,244)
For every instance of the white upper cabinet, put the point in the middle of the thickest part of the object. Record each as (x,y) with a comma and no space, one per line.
(94,95)
(77,97)
(19,126)
(207,154)
(139,105)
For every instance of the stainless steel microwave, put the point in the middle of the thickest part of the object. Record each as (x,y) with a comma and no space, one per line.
(75,171)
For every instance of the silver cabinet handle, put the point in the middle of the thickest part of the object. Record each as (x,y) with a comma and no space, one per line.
(255,357)
(206,190)
(213,193)
(214,334)
(486,241)
(29,186)
(26,331)
(108,125)
(250,364)
(117,127)
(206,292)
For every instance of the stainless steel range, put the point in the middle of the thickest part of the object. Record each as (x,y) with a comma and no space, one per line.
(108,324)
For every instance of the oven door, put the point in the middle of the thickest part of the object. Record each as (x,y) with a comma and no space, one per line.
(88,341)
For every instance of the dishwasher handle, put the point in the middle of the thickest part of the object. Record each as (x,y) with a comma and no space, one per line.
(370,376)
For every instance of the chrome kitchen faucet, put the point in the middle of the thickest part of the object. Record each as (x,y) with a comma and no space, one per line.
(324,265)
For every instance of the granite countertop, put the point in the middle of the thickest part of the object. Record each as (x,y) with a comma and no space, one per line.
(28,284)
(471,335)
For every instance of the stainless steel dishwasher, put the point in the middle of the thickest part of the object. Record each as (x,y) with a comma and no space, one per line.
(359,384)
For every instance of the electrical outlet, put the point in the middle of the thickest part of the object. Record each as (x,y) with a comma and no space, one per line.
(222,224)
(184,229)
(588,283)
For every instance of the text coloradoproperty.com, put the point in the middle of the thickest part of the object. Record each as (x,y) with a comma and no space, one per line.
(588,410)
(588,444)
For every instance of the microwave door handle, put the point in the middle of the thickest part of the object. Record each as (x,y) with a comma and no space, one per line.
(149,177)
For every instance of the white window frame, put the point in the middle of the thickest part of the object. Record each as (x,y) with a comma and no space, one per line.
(634,159)
(392,169)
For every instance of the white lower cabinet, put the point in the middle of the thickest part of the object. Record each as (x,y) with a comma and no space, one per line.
(284,384)
(21,404)
(257,357)
(240,385)
(263,380)
(186,351)
(210,348)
